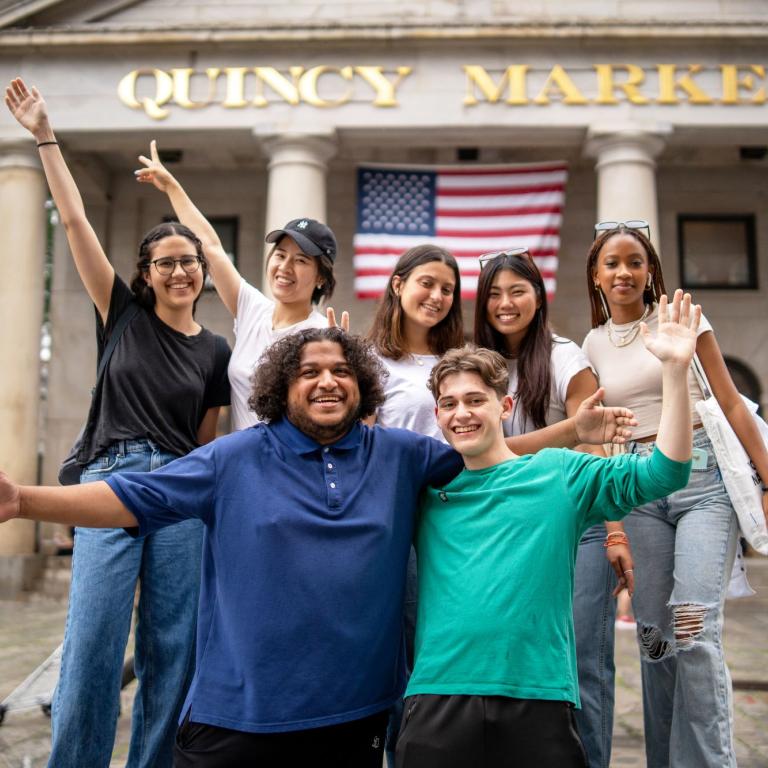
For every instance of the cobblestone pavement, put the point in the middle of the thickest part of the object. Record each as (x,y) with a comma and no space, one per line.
(29,631)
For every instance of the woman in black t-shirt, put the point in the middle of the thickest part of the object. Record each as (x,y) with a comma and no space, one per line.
(158,399)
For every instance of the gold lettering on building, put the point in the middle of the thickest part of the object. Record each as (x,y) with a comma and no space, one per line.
(670,83)
(513,79)
(607,85)
(325,86)
(560,86)
(732,84)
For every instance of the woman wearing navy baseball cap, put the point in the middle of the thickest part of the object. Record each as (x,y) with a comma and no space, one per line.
(299,275)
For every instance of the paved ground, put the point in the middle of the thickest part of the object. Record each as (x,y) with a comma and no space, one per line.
(30,631)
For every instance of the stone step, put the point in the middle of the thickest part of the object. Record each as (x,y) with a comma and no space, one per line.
(54,582)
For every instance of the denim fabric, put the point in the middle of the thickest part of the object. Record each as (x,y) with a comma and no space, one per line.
(106,566)
(684,545)
(594,616)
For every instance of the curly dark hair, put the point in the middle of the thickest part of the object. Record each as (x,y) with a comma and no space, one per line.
(143,292)
(278,367)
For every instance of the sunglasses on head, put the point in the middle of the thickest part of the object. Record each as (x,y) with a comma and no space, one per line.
(487,258)
(606,226)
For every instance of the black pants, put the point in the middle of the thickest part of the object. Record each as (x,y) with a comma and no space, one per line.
(357,744)
(488,732)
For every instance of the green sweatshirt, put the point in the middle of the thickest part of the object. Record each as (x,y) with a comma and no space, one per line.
(496,552)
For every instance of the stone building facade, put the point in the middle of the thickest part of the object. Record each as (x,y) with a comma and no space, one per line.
(269,107)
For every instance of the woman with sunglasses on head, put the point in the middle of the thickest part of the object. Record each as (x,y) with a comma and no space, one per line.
(549,377)
(299,274)
(684,544)
(157,399)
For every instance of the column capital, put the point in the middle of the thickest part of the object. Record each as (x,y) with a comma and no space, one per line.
(19,153)
(625,142)
(297,147)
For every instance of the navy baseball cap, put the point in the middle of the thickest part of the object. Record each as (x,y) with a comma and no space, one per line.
(314,238)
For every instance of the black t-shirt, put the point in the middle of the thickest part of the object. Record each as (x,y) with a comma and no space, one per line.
(158,384)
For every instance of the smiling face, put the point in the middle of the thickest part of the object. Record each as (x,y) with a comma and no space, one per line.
(179,289)
(470,413)
(622,273)
(292,274)
(426,295)
(324,398)
(511,306)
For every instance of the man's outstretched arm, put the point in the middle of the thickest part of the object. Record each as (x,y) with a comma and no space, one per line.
(92,505)
(593,424)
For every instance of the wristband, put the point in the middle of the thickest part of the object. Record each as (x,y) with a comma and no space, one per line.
(46,143)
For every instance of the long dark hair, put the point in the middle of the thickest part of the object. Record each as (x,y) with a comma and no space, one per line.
(387,332)
(143,292)
(599,306)
(534,357)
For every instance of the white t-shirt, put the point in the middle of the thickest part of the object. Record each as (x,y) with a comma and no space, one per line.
(566,361)
(631,375)
(253,334)
(409,404)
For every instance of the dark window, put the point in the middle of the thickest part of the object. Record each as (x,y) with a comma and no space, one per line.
(717,251)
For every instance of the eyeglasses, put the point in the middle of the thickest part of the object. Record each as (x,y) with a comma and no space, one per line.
(166,265)
(607,226)
(487,258)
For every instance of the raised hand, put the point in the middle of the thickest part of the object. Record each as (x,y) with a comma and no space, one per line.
(9,498)
(154,171)
(675,341)
(597,424)
(28,107)
(331,314)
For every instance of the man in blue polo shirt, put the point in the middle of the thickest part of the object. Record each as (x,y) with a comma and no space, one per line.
(308,520)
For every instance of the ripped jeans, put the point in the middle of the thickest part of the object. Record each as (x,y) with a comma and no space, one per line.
(683,546)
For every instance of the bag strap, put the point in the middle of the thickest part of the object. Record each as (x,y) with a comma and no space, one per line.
(122,323)
(701,377)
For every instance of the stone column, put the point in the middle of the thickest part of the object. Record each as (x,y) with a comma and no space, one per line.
(626,172)
(22,249)
(296,186)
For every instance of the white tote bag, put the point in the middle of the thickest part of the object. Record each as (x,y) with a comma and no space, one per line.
(739,474)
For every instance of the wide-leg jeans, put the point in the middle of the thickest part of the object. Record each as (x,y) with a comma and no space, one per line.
(106,566)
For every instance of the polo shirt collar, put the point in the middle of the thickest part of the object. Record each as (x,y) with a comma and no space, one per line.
(302,444)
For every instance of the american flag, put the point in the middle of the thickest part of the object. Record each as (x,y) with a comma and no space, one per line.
(468,211)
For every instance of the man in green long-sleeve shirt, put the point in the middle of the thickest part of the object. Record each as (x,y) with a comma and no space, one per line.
(495,679)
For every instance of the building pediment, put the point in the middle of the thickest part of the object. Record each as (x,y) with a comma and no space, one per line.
(144,20)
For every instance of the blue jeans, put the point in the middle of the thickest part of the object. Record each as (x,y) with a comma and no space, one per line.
(106,566)
(594,616)
(684,545)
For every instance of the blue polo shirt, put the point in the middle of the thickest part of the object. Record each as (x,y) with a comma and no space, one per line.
(303,574)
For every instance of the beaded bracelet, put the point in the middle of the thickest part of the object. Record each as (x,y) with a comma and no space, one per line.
(615,539)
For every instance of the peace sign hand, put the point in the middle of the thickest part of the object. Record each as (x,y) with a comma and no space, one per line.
(154,171)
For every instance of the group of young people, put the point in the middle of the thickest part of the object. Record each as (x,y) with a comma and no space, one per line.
(299,525)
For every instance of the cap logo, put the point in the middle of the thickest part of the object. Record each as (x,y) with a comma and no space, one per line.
(303,224)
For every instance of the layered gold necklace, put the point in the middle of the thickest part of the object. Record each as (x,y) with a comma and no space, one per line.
(626,337)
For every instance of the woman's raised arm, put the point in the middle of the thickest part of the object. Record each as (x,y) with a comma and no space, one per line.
(97,274)
(225,276)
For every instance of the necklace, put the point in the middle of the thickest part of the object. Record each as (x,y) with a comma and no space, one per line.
(628,336)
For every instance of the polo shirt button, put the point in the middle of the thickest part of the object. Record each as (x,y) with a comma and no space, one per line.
(330,466)
(333,485)
(325,450)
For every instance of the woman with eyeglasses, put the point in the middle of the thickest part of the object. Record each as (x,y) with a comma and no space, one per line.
(549,378)
(157,399)
(299,274)
(684,544)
